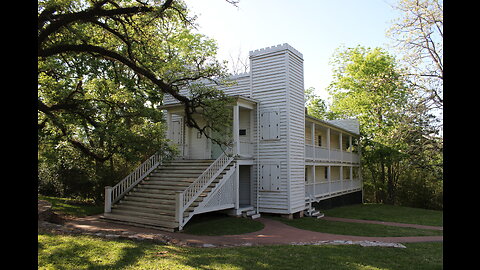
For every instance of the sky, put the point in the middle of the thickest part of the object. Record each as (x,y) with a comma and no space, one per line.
(316,28)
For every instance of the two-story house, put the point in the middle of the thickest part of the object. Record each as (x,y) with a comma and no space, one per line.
(281,161)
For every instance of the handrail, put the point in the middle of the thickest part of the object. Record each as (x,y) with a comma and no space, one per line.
(191,193)
(115,193)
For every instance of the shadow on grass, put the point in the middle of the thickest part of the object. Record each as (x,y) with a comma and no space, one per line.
(221,224)
(85,252)
(82,252)
(416,256)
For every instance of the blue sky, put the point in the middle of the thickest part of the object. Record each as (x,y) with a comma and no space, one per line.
(314,27)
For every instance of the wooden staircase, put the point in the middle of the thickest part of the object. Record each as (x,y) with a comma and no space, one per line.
(151,203)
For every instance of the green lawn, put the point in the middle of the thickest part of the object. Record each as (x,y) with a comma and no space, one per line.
(360,229)
(380,212)
(86,252)
(384,212)
(221,224)
(72,207)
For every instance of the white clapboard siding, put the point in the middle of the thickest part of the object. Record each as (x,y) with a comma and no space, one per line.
(277,90)
(296,132)
(241,86)
(276,83)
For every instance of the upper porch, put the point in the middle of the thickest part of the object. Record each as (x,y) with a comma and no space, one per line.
(325,142)
(191,144)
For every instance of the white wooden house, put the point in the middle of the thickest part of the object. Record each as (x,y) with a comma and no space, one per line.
(282,159)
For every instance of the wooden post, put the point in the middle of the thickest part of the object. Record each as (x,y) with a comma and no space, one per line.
(341,179)
(328,143)
(340,142)
(313,141)
(237,186)
(108,199)
(329,175)
(178,208)
(169,126)
(236,137)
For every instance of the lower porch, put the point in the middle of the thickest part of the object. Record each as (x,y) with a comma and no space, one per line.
(327,181)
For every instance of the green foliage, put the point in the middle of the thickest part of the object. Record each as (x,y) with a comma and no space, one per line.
(103,70)
(358,229)
(316,106)
(74,207)
(86,252)
(389,213)
(399,146)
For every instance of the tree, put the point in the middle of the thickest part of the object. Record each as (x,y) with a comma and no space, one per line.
(398,139)
(103,69)
(151,40)
(316,106)
(418,35)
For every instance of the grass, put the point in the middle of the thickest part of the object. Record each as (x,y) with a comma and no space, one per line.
(72,207)
(380,212)
(86,252)
(220,224)
(384,212)
(359,229)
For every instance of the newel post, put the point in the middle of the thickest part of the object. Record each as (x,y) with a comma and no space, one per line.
(178,208)
(108,199)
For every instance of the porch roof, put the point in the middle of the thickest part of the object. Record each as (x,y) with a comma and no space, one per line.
(249,102)
(328,124)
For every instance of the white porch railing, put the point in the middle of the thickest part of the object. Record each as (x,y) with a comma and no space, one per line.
(321,153)
(115,193)
(190,194)
(330,188)
(246,148)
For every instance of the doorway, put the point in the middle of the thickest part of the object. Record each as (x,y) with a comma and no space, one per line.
(244,181)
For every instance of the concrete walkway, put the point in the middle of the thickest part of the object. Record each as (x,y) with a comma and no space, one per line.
(273,233)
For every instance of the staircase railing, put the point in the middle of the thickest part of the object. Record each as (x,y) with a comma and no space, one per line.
(190,194)
(115,193)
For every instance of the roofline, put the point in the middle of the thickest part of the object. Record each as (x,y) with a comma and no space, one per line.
(331,125)
(236,97)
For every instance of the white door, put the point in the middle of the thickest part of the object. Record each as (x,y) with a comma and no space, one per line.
(177,135)
(198,145)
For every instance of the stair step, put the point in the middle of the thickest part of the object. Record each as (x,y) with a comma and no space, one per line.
(164,216)
(142,222)
(177,174)
(158,192)
(168,183)
(193,160)
(146,205)
(152,202)
(136,198)
(167,210)
(255,216)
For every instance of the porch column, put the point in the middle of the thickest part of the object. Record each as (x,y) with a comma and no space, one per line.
(340,141)
(350,143)
(314,180)
(313,140)
(237,186)
(328,142)
(342,184)
(169,126)
(236,137)
(329,177)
